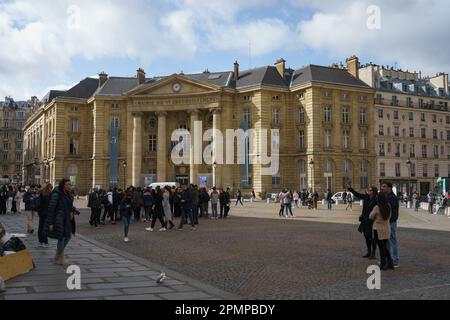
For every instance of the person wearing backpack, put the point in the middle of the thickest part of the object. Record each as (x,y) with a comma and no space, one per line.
(42,213)
(31,200)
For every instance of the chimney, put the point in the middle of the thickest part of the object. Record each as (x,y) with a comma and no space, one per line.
(353,66)
(102,78)
(140,75)
(280,64)
(236,71)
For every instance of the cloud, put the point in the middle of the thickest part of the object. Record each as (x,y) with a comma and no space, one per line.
(413,33)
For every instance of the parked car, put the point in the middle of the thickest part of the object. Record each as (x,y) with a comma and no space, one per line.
(163,184)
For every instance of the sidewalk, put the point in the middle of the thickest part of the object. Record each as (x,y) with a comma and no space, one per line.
(106,274)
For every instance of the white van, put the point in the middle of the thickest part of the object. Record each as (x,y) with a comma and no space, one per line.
(163,184)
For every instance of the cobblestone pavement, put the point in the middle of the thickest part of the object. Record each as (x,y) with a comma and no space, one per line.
(106,273)
(289,258)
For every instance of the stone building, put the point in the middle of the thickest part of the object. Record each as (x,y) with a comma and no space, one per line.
(117,130)
(13,115)
(412,127)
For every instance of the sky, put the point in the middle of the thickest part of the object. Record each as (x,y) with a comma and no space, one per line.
(51,44)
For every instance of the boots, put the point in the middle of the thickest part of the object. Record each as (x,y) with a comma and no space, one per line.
(60,260)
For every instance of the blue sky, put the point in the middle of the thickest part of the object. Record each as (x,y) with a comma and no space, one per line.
(55,44)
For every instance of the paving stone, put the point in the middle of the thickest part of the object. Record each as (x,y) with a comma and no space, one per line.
(120,285)
(55,288)
(193,295)
(156,289)
(63,295)
(103,270)
(139,273)
(14,290)
(135,297)
(181,287)
(126,279)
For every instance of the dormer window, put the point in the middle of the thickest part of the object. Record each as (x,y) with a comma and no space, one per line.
(405,88)
(276,98)
(247,98)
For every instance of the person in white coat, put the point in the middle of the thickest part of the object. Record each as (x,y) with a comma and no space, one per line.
(166,207)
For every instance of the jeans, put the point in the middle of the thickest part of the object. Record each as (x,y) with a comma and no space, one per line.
(126,224)
(239,200)
(204,209)
(42,236)
(186,212)
(147,212)
(195,207)
(329,205)
(288,206)
(430,207)
(385,255)
(30,217)
(393,242)
(62,244)
(214,210)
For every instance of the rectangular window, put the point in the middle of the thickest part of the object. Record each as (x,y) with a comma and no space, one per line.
(412,150)
(302,139)
(424,151)
(74,125)
(394,101)
(5,157)
(436,171)
(73,108)
(381,130)
(397,170)
(411,132)
(411,116)
(5,146)
(362,116)
(5,124)
(423,133)
(115,106)
(382,170)
(345,115)
(397,150)
(346,142)
(381,149)
(421,104)
(18,157)
(327,114)
(395,115)
(380,113)
(435,135)
(364,141)
(447,119)
(434,118)
(413,169)
(396,131)
(247,117)
(328,94)
(73,147)
(448,134)
(114,122)
(436,151)
(21,115)
(5,135)
(344,96)
(276,180)
(301,115)
(152,140)
(18,167)
(409,102)
(18,145)
(327,138)
(422,117)
(276,116)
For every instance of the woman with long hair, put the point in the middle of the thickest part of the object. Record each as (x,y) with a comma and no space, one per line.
(381,214)
(365,227)
(59,216)
(44,201)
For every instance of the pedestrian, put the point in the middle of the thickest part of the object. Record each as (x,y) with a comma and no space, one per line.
(157,211)
(344,197)
(315,199)
(31,200)
(239,198)
(381,214)
(94,202)
(172,200)
(349,199)
(126,211)
(195,202)
(58,225)
(253,198)
(296,198)
(280,199)
(117,199)
(3,197)
(366,224)
(416,201)
(18,199)
(393,202)
(177,202)
(42,213)
(228,202)
(330,199)
(431,201)
(214,201)
(287,201)
(203,200)
(110,204)
(148,202)
(186,208)
(137,203)
(9,199)
(168,218)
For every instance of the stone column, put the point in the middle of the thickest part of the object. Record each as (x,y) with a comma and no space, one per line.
(137,150)
(161,148)
(193,166)
(216,169)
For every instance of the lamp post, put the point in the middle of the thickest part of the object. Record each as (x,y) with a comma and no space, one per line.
(46,165)
(408,163)
(311,165)
(214,173)
(124,165)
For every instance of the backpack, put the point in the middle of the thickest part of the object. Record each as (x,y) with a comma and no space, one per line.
(35,202)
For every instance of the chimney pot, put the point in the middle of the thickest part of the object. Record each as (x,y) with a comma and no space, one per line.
(280,64)
(140,75)
(102,78)
(353,66)
(236,71)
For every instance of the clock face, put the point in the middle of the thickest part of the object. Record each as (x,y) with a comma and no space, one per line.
(176,87)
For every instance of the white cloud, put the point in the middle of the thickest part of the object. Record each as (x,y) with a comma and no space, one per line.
(413,33)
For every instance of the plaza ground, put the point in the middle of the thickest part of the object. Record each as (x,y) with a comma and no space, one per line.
(257,255)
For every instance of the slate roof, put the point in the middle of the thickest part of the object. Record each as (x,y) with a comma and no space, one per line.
(314,73)
(52,94)
(83,90)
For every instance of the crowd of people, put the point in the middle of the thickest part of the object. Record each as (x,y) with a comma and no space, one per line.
(189,203)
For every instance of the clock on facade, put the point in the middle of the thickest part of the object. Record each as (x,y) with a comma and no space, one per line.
(176,87)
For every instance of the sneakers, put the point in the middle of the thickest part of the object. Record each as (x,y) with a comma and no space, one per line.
(193,228)
(126,239)
(162,229)
(149,229)
(43,245)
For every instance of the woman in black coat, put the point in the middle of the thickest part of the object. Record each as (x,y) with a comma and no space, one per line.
(59,218)
(365,227)
(44,202)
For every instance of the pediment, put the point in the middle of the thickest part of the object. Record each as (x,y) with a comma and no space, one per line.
(175,84)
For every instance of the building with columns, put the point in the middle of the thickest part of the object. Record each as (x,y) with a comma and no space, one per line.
(118,130)
(412,127)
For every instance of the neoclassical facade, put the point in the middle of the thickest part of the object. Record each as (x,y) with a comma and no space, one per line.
(118,131)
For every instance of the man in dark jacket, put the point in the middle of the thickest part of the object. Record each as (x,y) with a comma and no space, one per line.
(186,209)
(94,202)
(204,199)
(365,227)
(393,202)
(29,198)
(227,202)
(195,203)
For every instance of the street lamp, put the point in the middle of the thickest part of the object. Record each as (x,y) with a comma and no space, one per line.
(214,173)
(46,165)
(124,165)
(311,165)
(408,163)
